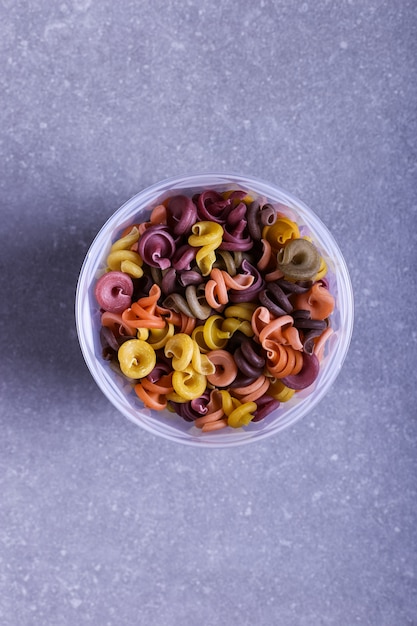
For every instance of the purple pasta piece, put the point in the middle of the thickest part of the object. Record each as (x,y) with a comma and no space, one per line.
(212,207)
(274,299)
(236,215)
(156,246)
(251,293)
(183,257)
(234,237)
(189,277)
(253,223)
(303,321)
(243,381)
(169,281)
(267,215)
(194,408)
(307,376)
(289,287)
(250,352)
(265,405)
(162,368)
(181,214)
(113,291)
(308,342)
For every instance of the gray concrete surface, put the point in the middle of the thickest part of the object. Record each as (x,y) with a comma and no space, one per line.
(101,522)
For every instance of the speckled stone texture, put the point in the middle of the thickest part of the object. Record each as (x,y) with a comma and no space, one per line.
(101,522)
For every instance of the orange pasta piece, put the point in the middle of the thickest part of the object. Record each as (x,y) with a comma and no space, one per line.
(283,361)
(252,392)
(282,330)
(219,284)
(321,342)
(158,215)
(266,257)
(142,313)
(153,395)
(152,400)
(115,322)
(318,300)
(226,368)
(275,275)
(215,414)
(217,425)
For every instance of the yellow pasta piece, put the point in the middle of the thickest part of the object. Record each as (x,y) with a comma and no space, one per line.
(243,311)
(180,348)
(142,333)
(238,413)
(280,232)
(136,358)
(280,392)
(188,383)
(214,336)
(198,337)
(233,324)
(207,236)
(242,415)
(122,258)
(229,404)
(322,271)
(201,363)
(158,337)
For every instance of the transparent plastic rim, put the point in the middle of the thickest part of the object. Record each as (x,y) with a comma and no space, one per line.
(147,419)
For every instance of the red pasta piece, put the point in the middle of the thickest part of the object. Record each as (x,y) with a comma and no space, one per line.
(114,291)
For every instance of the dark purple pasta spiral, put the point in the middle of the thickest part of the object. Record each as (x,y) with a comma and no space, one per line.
(181,214)
(248,359)
(251,293)
(156,246)
(274,299)
(265,405)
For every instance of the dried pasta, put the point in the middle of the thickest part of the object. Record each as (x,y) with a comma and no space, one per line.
(216,308)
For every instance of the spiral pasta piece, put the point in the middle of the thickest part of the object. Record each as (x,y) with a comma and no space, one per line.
(188,383)
(113,291)
(185,351)
(115,323)
(238,414)
(122,258)
(192,305)
(158,337)
(283,331)
(136,358)
(318,300)
(279,391)
(232,325)
(299,260)
(241,311)
(214,419)
(156,246)
(282,361)
(143,313)
(280,232)
(154,394)
(220,282)
(207,236)
(252,392)
(225,368)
